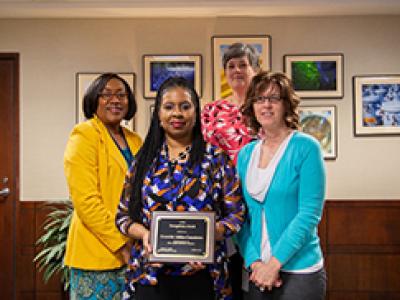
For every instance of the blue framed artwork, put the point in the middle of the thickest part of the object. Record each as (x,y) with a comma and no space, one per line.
(320,122)
(376,101)
(220,43)
(158,68)
(315,75)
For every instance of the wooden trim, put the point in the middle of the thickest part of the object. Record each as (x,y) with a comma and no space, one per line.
(363,267)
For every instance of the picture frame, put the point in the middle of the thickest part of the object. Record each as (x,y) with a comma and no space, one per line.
(157,68)
(320,121)
(376,105)
(83,81)
(220,43)
(316,75)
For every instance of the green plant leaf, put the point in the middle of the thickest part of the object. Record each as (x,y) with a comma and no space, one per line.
(49,259)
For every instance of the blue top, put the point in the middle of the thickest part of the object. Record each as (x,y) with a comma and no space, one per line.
(127,154)
(293,206)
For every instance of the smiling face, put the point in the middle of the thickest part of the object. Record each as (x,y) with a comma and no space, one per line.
(269,110)
(239,73)
(113,103)
(177,114)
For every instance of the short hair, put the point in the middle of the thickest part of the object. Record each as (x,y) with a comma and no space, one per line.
(92,95)
(238,50)
(259,84)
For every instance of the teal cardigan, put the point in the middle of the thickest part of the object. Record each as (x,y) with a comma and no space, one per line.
(293,206)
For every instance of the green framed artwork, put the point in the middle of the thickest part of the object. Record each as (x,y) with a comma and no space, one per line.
(316,75)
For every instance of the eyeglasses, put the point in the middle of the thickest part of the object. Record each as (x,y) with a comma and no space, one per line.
(109,96)
(274,99)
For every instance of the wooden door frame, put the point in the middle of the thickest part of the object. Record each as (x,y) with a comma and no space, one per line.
(14,135)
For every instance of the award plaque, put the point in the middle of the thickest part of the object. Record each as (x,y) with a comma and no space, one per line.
(181,237)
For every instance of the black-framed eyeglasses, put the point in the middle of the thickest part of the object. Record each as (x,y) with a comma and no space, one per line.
(108,96)
(274,99)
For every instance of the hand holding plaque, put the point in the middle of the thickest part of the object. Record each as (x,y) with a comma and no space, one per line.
(182,237)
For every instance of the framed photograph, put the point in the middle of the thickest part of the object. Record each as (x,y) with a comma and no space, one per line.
(320,122)
(158,68)
(376,100)
(316,75)
(220,43)
(83,81)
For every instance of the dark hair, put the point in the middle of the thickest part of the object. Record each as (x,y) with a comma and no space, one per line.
(155,138)
(259,84)
(92,94)
(238,50)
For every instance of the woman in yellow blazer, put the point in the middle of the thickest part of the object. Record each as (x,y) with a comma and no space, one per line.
(96,159)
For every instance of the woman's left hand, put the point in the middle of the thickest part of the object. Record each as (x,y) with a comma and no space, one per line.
(266,275)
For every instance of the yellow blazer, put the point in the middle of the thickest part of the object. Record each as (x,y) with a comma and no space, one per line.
(95,170)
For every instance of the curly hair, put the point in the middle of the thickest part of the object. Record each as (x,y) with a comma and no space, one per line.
(259,84)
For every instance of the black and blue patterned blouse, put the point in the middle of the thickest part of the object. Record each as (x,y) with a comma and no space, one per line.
(210,186)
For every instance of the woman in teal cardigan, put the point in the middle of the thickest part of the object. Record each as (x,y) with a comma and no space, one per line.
(283,181)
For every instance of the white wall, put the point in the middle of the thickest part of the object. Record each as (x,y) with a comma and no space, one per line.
(52,51)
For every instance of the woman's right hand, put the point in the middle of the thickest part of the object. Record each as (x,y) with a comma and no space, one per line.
(148,249)
(146,242)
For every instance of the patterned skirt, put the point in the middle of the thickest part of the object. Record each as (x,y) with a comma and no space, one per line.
(93,285)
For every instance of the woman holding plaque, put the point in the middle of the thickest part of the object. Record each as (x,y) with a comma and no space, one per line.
(283,180)
(98,154)
(176,170)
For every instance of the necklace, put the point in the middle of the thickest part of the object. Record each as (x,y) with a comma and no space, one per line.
(183,155)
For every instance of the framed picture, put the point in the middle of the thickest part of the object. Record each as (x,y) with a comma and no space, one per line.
(262,43)
(83,81)
(158,68)
(316,75)
(376,100)
(320,122)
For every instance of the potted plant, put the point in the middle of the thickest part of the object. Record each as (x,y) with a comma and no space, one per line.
(53,241)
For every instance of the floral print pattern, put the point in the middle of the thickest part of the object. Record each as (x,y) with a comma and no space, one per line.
(223,126)
(94,285)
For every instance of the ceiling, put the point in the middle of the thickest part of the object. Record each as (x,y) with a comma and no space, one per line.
(192,8)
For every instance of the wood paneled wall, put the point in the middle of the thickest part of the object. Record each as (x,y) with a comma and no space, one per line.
(363,249)
(30,285)
(360,239)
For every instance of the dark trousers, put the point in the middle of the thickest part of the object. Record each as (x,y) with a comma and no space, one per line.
(235,267)
(294,287)
(198,286)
